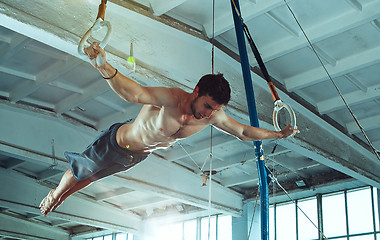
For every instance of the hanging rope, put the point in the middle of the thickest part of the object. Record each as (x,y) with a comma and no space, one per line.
(335,86)
(254,211)
(211,127)
(278,104)
(209,188)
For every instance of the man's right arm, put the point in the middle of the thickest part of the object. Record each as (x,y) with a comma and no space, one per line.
(128,89)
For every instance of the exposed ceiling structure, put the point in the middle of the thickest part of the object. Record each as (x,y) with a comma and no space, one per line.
(54,101)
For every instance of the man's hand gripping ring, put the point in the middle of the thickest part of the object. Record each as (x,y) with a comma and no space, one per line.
(99,24)
(278,105)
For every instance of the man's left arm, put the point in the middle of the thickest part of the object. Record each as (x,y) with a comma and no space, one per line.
(249,133)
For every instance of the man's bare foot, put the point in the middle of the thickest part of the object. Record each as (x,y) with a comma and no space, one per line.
(48,203)
(57,205)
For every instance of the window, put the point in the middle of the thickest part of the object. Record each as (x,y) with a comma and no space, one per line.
(190,230)
(224,228)
(271,222)
(345,215)
(122,236)
(359,209)
(306,229)
(205,228)
(107,237)
(376,196)
(169,232)
(334,215)
(286,221)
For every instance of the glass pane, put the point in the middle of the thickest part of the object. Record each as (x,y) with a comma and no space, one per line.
(363,237)
(98,238)
(377,214)
(286,221)
(167,232)
(334,215)
(130,236)
(306,229)
(121,236)
(173,232)
(205,228)
(359,207)
(225,228)
(271,222)
(190,230)
(108,237)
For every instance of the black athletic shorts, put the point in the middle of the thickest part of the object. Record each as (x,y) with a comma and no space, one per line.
(103,157)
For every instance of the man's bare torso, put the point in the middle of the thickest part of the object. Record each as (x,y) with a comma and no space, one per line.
(160,126)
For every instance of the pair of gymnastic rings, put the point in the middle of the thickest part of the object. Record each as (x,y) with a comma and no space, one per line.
(278,104)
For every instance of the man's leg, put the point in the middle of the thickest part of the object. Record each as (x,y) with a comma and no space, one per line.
(67,182)
(80,185)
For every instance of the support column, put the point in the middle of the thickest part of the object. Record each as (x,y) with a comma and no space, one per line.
(240,226)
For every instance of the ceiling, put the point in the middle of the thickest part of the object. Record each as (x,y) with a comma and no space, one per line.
(53,101)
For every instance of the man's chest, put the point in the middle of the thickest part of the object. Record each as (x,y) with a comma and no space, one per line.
(173,123)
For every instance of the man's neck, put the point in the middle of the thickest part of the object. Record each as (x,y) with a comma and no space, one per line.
(185,104)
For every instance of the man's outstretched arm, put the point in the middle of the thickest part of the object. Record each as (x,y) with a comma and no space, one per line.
(249,133)
(125,87)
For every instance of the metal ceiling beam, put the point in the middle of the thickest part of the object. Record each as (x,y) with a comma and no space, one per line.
(352,98)
(285,26)
(144,11)
(111,194)
(368,124)
(356,82)
(148,203)
(376,24)
(344,66)
(48,52)
(16,46)
(324,56)
(231,182)
(223,22)
(47,75)
(17,73)
(6,39)
(322,31)
(98,87)
(355,4)
(161,7)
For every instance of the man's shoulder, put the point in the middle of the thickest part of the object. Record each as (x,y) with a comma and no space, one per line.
(218,116)
(178,93)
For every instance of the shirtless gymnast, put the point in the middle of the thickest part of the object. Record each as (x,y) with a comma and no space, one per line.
(168,114)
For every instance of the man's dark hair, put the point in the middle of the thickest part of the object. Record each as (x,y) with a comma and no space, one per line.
(216,86)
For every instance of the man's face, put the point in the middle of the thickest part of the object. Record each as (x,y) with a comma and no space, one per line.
(204,107)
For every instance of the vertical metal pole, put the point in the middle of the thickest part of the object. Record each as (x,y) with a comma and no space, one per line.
(320,216)
(264,193)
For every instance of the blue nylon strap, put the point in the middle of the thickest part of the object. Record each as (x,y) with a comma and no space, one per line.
(264,194)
